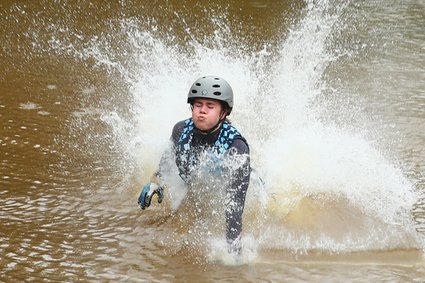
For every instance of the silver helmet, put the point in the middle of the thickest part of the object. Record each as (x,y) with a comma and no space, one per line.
(211,87)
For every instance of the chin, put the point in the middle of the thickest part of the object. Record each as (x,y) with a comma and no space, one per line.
(201,127)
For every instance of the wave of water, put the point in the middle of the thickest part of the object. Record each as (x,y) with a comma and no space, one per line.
(327,187)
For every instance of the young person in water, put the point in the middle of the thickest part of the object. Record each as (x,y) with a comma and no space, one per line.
(209,130)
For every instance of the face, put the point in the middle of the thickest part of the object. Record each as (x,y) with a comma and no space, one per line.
(206,113)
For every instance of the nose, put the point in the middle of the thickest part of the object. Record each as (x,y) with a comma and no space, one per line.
(203,109)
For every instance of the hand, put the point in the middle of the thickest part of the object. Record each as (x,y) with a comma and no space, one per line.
(148,191)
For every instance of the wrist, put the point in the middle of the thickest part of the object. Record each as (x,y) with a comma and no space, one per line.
(156,179)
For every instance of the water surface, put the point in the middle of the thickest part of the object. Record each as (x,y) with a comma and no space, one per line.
(330,95)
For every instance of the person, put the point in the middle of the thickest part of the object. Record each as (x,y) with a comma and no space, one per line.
(209,130)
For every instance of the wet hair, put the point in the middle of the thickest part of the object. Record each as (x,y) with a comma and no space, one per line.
(225,107)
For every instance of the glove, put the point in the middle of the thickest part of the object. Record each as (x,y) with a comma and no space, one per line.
(148,191)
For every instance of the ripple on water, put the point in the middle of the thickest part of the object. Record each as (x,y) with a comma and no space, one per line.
(43,113)
(29,106)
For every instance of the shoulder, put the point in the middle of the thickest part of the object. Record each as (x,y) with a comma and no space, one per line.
(177,130)
(239,143)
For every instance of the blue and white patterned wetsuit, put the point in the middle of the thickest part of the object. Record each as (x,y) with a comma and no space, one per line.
(189,142)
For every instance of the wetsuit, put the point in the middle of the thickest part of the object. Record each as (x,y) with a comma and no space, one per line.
(238,186)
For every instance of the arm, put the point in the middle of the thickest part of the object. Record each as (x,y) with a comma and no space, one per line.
(237,193)
(157,184)
(168,157)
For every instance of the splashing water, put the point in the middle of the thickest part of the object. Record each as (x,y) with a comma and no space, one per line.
(326,188)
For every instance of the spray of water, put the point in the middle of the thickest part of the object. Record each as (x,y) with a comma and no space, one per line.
(326,188)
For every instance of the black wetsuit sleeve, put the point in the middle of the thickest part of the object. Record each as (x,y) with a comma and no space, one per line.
(237,192)
(177,131)
(167,157)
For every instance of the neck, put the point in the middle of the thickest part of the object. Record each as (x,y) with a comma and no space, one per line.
(213,129)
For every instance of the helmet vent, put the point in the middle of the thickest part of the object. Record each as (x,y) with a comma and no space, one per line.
(217,93)
(216,86)
(194,91)
(198,84)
